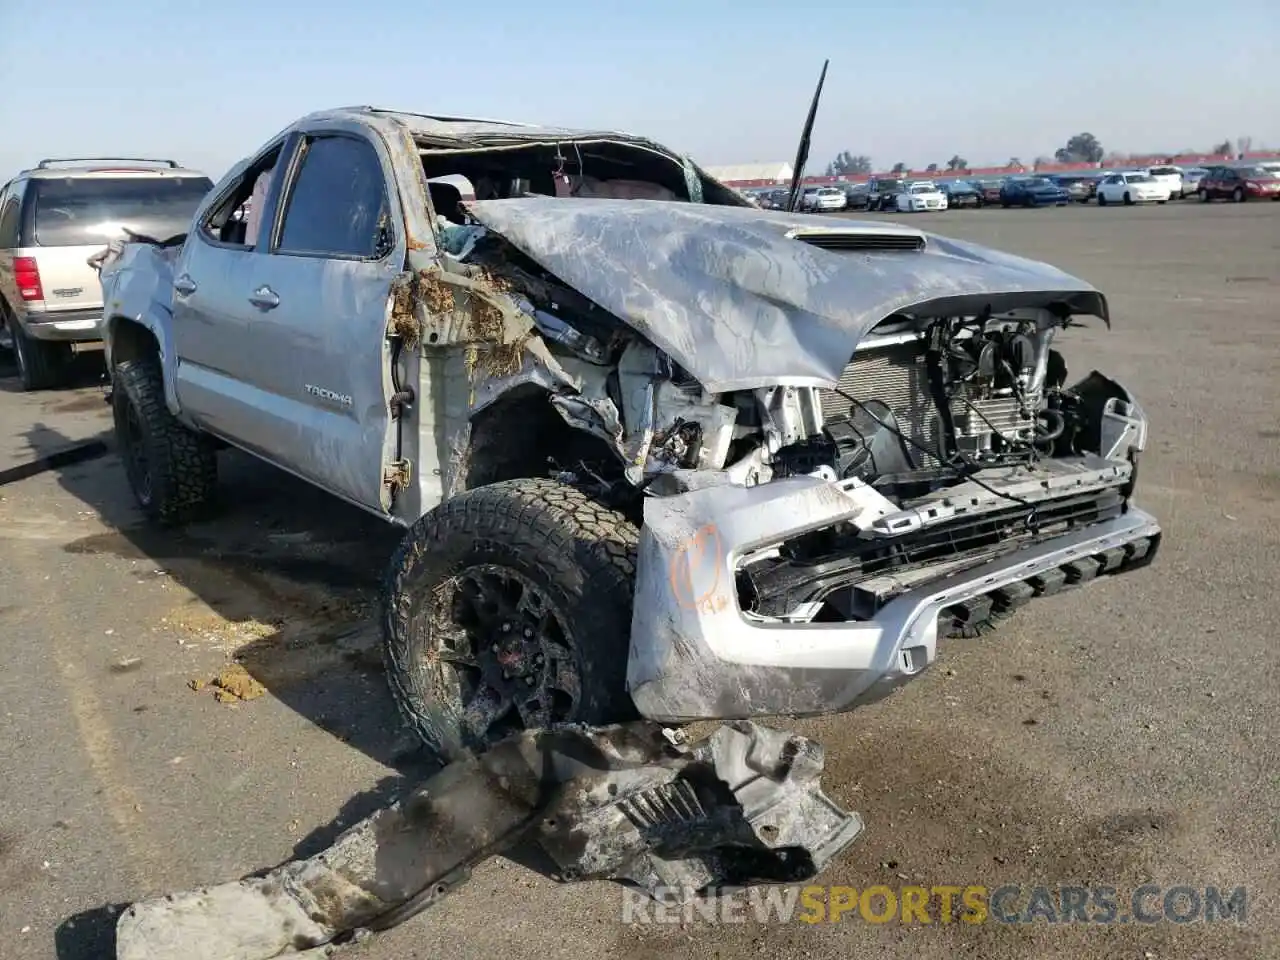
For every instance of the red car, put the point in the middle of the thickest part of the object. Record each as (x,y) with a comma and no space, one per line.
(1239,184)
(990,189)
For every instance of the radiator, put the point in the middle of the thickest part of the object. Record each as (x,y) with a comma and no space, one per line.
(895,375)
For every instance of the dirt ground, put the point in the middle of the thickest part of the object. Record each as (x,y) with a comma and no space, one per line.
(1123,734)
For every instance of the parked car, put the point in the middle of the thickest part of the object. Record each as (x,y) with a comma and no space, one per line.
(563,422)
(1191,178)
(920,196)
(1171,177)
(991,190)
(828,200)
(774,199)
(882,192)
(1131,188)
(1240,184)
(856,195)
(1080,188)
(52,218)
(1032,192)
(962,193)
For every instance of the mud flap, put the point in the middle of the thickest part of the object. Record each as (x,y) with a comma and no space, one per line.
(741,806)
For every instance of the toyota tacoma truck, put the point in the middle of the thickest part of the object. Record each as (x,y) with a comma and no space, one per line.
(655,451)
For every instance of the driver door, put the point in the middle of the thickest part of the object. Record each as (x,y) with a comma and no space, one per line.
(319,299)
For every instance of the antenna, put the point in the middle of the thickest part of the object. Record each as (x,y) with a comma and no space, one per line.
(802,153)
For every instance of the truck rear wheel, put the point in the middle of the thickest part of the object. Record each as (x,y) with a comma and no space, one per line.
(508,607)
(172,470)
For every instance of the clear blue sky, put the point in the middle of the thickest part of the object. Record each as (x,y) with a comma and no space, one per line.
(912,81)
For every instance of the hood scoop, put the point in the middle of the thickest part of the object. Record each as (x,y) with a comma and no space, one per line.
(859,239)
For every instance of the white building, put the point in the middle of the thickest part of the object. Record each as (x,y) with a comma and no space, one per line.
(745,172)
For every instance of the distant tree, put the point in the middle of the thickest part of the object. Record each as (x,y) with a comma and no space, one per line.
(846,163)
(1082,148)
(1221,148)
(931,168)
(1243,146)
(1042,162)
(957,162)
(899,167)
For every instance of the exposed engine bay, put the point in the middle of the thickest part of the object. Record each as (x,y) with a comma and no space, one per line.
(923,404)
(961,430)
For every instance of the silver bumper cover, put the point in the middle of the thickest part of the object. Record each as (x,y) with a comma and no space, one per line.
(64,325)
(696,655)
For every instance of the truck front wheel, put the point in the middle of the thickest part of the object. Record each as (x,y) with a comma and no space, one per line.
(172,470)
(508,607)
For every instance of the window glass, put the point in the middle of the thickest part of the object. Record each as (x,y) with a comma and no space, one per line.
(338,202)
(8,219)
(78,211)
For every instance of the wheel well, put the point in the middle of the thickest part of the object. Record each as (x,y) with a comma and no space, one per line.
(131,341)
(521,435)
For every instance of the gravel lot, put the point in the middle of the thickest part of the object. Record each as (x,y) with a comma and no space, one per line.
(1124,734)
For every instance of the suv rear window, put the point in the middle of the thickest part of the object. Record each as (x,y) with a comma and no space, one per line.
(84,211)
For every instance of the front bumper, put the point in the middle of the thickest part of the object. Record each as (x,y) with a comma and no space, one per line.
(696,655)
(75,326)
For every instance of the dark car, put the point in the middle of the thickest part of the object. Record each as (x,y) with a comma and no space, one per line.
(1033,192)
(882,190)
(772,200)
(962,193)
(857,195)
(1239,184)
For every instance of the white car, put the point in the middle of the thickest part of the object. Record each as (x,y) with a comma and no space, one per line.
(827,200)
(1130,188)
(921,195)
(1171,176)
(1191,178)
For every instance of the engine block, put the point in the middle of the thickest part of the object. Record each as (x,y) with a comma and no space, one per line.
(897,375)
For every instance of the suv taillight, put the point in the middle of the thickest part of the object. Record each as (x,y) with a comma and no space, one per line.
(27,275)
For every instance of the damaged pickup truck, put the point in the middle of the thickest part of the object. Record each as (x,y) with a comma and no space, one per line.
(657,451)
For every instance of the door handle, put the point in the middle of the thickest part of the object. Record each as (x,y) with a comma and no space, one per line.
(264,298)
(184,286)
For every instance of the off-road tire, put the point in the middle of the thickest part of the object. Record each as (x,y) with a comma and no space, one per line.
(182,464)
(580,556)
(41,364)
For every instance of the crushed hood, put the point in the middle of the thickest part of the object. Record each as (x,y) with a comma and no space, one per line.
(743,298)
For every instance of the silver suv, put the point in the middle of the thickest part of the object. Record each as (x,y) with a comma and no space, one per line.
(52,219)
